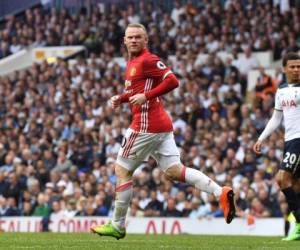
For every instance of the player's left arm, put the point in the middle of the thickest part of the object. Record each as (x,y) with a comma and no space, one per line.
(169,83)
(154,68)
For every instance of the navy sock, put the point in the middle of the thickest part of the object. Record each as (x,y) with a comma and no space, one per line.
(286,227)
(292,200)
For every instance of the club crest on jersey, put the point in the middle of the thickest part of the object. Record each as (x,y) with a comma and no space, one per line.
(288,103)
(127,84)
(132,72)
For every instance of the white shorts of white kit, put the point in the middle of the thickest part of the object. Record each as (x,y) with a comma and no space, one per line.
(137,147)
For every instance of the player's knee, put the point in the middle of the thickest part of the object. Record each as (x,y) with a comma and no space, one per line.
(169,175)
(284,179)
(122,173)
(173,173)
(171,166)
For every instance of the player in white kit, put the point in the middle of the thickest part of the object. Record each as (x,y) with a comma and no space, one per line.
(287,108)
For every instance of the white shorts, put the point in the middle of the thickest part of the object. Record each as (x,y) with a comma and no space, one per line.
(137,147)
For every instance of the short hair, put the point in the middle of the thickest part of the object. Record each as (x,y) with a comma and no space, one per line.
(137,25)
(289,56)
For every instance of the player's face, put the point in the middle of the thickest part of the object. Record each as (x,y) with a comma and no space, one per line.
(135,40)
(292,71)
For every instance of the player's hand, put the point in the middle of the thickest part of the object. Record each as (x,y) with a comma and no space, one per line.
(257,147)
(115,101)
(138,99)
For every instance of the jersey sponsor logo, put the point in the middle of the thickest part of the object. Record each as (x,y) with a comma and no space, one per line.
(161,65)
(288,103)
(132,72)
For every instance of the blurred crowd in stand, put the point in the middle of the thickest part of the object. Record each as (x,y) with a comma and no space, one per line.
(59,136)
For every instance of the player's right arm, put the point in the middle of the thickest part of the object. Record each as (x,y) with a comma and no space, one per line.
(272,125)
(117,100)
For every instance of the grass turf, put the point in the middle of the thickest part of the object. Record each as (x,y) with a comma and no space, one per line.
(140,242)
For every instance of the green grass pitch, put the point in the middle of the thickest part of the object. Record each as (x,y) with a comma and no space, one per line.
(140,242)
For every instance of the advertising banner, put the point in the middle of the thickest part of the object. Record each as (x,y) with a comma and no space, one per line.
(215,226)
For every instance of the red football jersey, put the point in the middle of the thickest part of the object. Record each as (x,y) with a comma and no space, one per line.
(143,73)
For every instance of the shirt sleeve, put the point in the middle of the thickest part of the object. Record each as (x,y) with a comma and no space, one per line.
(278,105)
(153,67)
(124,97)
(168,84)
(272,125)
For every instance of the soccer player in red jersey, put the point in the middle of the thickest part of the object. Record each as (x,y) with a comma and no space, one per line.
(151,132)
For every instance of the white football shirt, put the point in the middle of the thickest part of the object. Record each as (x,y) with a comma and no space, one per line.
(287,100)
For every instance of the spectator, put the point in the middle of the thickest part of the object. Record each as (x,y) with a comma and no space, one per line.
(170,210)
(154,207)
(13,190)
(244,65)
(63,164)
(42,208)
(258,210)
(143,199)
(71,211)
(3,206)
(264,85)
(12,209)
(26,210)
(56,212)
